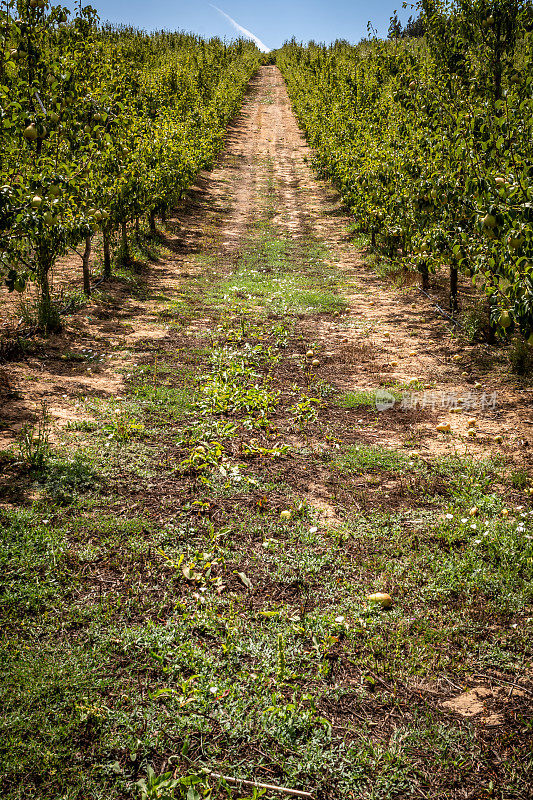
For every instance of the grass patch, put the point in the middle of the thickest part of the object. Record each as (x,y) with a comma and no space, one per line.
(362,458)
(370,398)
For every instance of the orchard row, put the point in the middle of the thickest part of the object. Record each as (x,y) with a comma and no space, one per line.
(98,127)
(430,141)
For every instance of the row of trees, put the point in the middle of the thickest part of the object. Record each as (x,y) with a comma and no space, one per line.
(100,126)
(430,141)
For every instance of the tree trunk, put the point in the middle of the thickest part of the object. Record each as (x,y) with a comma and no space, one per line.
(151,219)
(125,246)
(453,289)
(136,226)
(107,253)
(425,276)
(86,271)
(491,333)
(48,315)
(163,215)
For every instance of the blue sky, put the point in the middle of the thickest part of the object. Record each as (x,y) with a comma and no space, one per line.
(272,21)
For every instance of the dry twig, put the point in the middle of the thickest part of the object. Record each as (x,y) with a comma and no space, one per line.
(255,785)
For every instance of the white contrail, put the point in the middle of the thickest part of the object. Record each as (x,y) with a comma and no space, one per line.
(249,35)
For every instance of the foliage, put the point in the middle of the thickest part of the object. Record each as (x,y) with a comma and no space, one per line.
(430,142)
(100,126)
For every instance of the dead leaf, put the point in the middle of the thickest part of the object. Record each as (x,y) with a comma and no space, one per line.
(245,579)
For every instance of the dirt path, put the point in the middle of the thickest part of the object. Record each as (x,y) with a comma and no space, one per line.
(410,344)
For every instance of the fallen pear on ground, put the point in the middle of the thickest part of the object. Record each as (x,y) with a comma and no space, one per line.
(380,598)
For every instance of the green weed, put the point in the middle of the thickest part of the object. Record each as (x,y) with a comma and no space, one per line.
(34,446)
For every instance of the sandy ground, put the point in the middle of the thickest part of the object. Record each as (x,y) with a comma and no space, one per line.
(404,338)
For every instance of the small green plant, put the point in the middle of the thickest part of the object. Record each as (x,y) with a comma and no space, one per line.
(34,447)
(123,428)
(157,787)
(81,425)
(225,392)
(165,787)
(474,321)
(280,334)
(27,311)
(252,448)
(201,457)
(306,410)
(324,389)
(519,479)
(520,357)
